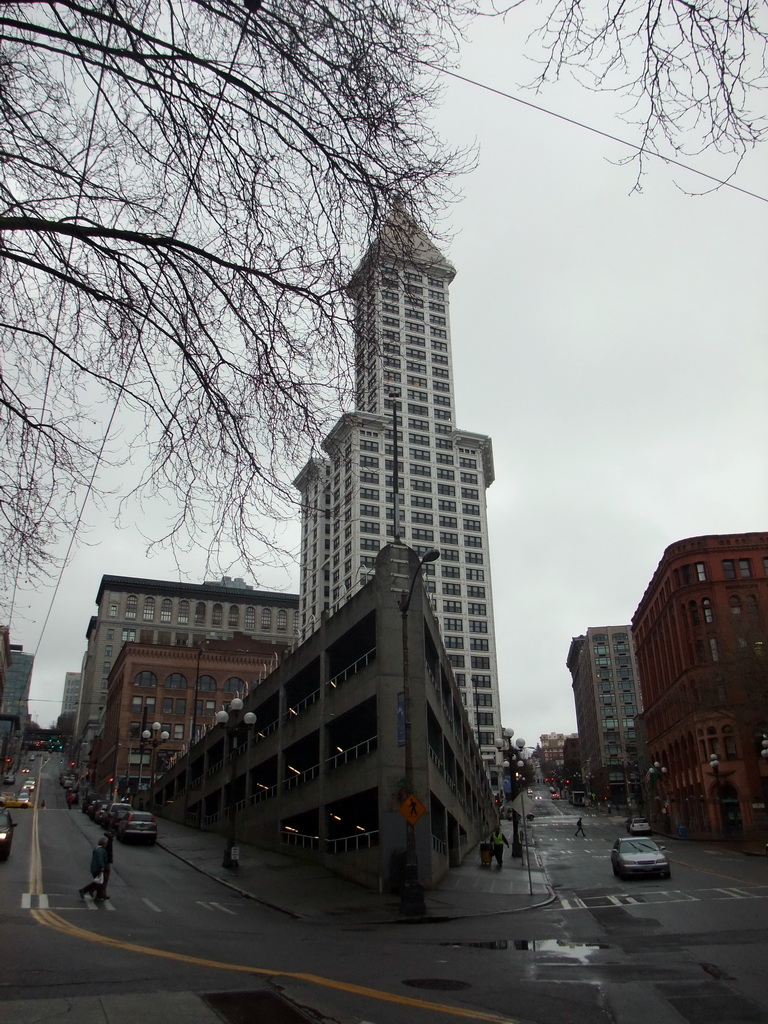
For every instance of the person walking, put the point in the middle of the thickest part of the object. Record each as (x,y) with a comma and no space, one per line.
(498,841)
(99,862)
(110,837)
(579,828)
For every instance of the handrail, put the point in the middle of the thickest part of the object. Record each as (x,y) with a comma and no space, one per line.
(353,669)
(352,753)
(357,841)
(299,777)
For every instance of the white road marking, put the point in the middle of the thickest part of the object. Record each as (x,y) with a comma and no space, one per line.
(226,910)
(151,905)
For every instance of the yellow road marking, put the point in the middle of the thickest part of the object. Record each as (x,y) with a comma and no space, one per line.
(52,920)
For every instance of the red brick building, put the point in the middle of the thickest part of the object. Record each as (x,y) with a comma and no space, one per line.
(701,640)
(179,687)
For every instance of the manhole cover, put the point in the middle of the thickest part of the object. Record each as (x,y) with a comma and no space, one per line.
(253,1007)
(439,984)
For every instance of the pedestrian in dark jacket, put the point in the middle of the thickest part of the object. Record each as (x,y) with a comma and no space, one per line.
(110,837)
(99,863)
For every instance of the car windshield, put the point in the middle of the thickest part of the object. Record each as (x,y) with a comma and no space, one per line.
(639,846)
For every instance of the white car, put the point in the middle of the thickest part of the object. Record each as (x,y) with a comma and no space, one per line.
(638,826)
(639,856)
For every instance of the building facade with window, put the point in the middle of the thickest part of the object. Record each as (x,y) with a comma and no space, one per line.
(182,688)
(71,693)
(702,647)
(170,614)
(399,468)
(607,698)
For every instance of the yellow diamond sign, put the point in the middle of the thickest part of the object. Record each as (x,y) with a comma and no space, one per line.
(412,809)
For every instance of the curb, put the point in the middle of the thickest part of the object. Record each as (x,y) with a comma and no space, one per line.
(245,893)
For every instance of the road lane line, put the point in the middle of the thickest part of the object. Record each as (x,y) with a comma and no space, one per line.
(151,905)
(51,919)
(226,910)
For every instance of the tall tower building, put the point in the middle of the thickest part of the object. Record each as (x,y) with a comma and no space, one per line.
(398,469)
(606,693)
(71,693)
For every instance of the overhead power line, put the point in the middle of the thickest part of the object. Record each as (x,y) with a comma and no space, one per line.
(596,131)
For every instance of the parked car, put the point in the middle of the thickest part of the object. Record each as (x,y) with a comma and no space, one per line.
(638,826)
(94,807)
(138,826)
(85,803)
(9,780)
(112,811)
(639,856)
(7,825)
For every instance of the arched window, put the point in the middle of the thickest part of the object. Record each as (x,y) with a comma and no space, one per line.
(706,607)
(165,609)
(266,618)
(206,683)
(735,605)
(176,681)
(149,609)
(234,685)
(216,618)
(131,606)
(183,612)
(200,611)
(145,679)
(234,616)
(694,613)
(282,620)
(250,617)
(753,611)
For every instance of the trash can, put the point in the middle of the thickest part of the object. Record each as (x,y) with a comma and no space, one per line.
(682,831)
(486,852)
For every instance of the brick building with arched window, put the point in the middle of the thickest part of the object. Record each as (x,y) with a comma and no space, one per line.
(701,641)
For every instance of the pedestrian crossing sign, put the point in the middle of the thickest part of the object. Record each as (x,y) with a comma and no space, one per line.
(412,809)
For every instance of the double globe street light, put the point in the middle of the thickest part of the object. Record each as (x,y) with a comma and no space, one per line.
(513,765)
(232,728)
(154,736)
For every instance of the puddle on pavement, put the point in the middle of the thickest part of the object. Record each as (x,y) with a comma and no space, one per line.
(580,951)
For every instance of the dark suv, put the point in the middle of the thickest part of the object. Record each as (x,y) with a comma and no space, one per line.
(7,825)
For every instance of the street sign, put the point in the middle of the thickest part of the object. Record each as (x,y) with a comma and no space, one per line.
(412,809)
(234,853)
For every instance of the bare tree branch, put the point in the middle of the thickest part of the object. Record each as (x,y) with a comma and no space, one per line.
(183,186)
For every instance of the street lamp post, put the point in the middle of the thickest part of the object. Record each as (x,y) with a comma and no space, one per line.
(714,764)
(155,737)
(661,773)
(514,764)
(412,892)
(231,729)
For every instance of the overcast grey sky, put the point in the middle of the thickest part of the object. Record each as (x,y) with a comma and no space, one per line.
(613,345)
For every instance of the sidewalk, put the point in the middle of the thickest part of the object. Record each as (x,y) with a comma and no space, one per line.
(311,892)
